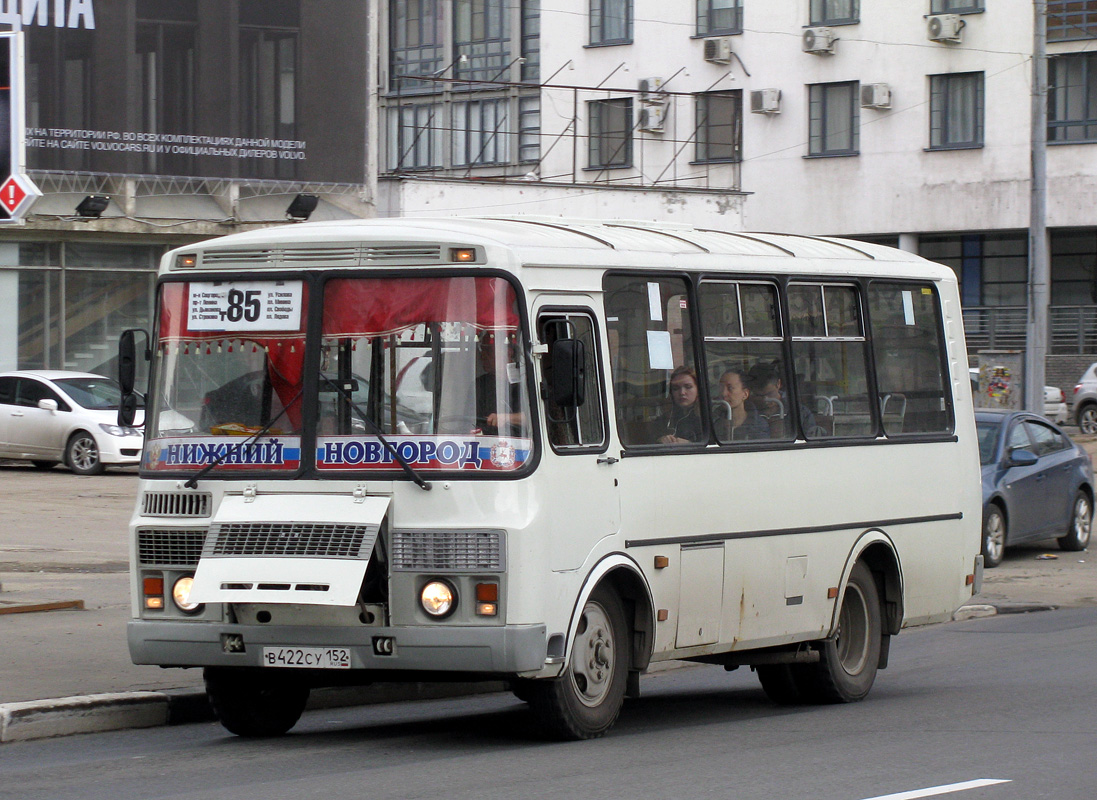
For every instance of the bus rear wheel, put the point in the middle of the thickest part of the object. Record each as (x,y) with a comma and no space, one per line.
(848,660)
(584,702)
(254,704)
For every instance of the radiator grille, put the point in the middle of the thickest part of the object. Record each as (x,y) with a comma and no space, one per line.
(176,504)
(175,547)
(299,539)
(336,255)
(452,551)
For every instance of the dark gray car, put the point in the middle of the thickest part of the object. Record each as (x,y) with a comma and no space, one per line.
(1037,483)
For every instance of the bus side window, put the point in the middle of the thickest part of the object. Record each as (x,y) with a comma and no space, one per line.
(910,368)
(584,425)
(829,355)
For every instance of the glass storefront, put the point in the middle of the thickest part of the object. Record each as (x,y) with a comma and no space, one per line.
(63,304)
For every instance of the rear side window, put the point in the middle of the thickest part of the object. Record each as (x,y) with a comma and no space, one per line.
(910,366)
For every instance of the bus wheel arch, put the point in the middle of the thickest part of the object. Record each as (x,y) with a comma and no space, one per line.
(882,561)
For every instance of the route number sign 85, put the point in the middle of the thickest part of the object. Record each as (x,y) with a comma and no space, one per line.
(244,306)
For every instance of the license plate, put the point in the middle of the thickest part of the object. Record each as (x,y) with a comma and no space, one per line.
(307,657)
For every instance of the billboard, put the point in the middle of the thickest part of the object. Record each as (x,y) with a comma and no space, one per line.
(254,89)
(17,191)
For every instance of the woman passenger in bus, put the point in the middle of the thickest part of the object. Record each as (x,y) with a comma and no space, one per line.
(740,420)
(683,426)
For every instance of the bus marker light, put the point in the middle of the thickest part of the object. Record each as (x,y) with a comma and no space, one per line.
(155,603)
(462,254)
(662,615)
(153,588)
(487,609)
(662,562)
(487,593)
(832,592)
(969,580)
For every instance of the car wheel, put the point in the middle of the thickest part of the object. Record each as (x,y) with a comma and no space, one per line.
(82,454)
(1087,418)
(44,465)
(1081,522)
(994,536)
(584,702)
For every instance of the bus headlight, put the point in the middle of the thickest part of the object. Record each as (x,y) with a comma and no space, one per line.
(180,594)
(438,598)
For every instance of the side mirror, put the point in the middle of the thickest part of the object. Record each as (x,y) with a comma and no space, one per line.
(47,404)
(1022,458)
(568,373)
(127,373)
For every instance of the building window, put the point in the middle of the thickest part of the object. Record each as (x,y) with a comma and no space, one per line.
(610,21)
(956,110)
(531,40)
(415,137)
(529,128)
(992,268)
(480,33)
(1072,98)
(415,47)
(165,71)
(719,126)
(480,132)
(835,12)
(719,16)
(1071,19)
(268,90)
(1073,267)
(610,123)
(956,6)
(834,119)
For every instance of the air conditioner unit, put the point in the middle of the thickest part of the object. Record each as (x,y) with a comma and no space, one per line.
(875,95)
(819,41)
(650,86)
(765,101)
(653,117)
(944,27)
(718,51)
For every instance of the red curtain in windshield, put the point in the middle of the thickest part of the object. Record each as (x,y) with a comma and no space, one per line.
(285,349)
(368,307)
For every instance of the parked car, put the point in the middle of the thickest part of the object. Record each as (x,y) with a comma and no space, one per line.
(1037,483)
(51,416)
(1085,400)
(1055,400)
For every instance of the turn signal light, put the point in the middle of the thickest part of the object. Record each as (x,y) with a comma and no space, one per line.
(487,593)
(153,588)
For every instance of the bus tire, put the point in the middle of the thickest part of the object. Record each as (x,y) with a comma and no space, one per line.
(584,702)
(781,683)
(849,659)
(254,704)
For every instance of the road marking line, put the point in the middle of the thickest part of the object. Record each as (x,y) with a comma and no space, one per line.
(937,790)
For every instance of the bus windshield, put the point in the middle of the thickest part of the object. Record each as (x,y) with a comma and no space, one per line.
(433,364)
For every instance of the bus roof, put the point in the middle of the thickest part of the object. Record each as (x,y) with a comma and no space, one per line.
(543,242)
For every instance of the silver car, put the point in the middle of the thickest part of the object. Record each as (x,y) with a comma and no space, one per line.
(51,416)
(1085,400)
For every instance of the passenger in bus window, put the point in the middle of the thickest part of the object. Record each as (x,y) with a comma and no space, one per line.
(498,397)
(684,425)
(735,419)
(772,401)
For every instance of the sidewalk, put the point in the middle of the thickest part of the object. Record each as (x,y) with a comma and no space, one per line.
(63,547)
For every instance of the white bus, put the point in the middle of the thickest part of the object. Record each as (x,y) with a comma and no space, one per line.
(550,452)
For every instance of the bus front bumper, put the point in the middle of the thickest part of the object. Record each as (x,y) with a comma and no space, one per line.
(499,650)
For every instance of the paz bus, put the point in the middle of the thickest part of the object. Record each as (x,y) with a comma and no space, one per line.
(545,451)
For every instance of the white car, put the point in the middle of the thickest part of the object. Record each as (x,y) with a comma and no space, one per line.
(51,416)
(1055,399)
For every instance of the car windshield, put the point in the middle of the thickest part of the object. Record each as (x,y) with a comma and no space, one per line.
(988,439)
(93,393)
(433,363)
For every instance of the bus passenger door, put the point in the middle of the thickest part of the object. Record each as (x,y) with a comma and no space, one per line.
(579,478)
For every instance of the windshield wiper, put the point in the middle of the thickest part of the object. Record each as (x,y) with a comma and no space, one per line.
(192,482)
(376,431)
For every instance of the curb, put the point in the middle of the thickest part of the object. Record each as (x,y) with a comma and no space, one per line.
(979,610)
(98,713)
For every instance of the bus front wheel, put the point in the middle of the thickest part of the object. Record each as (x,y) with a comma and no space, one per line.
(253,703)
(584,702)
(849,659)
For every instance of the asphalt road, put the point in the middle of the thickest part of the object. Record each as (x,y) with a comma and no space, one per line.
(1006,698)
